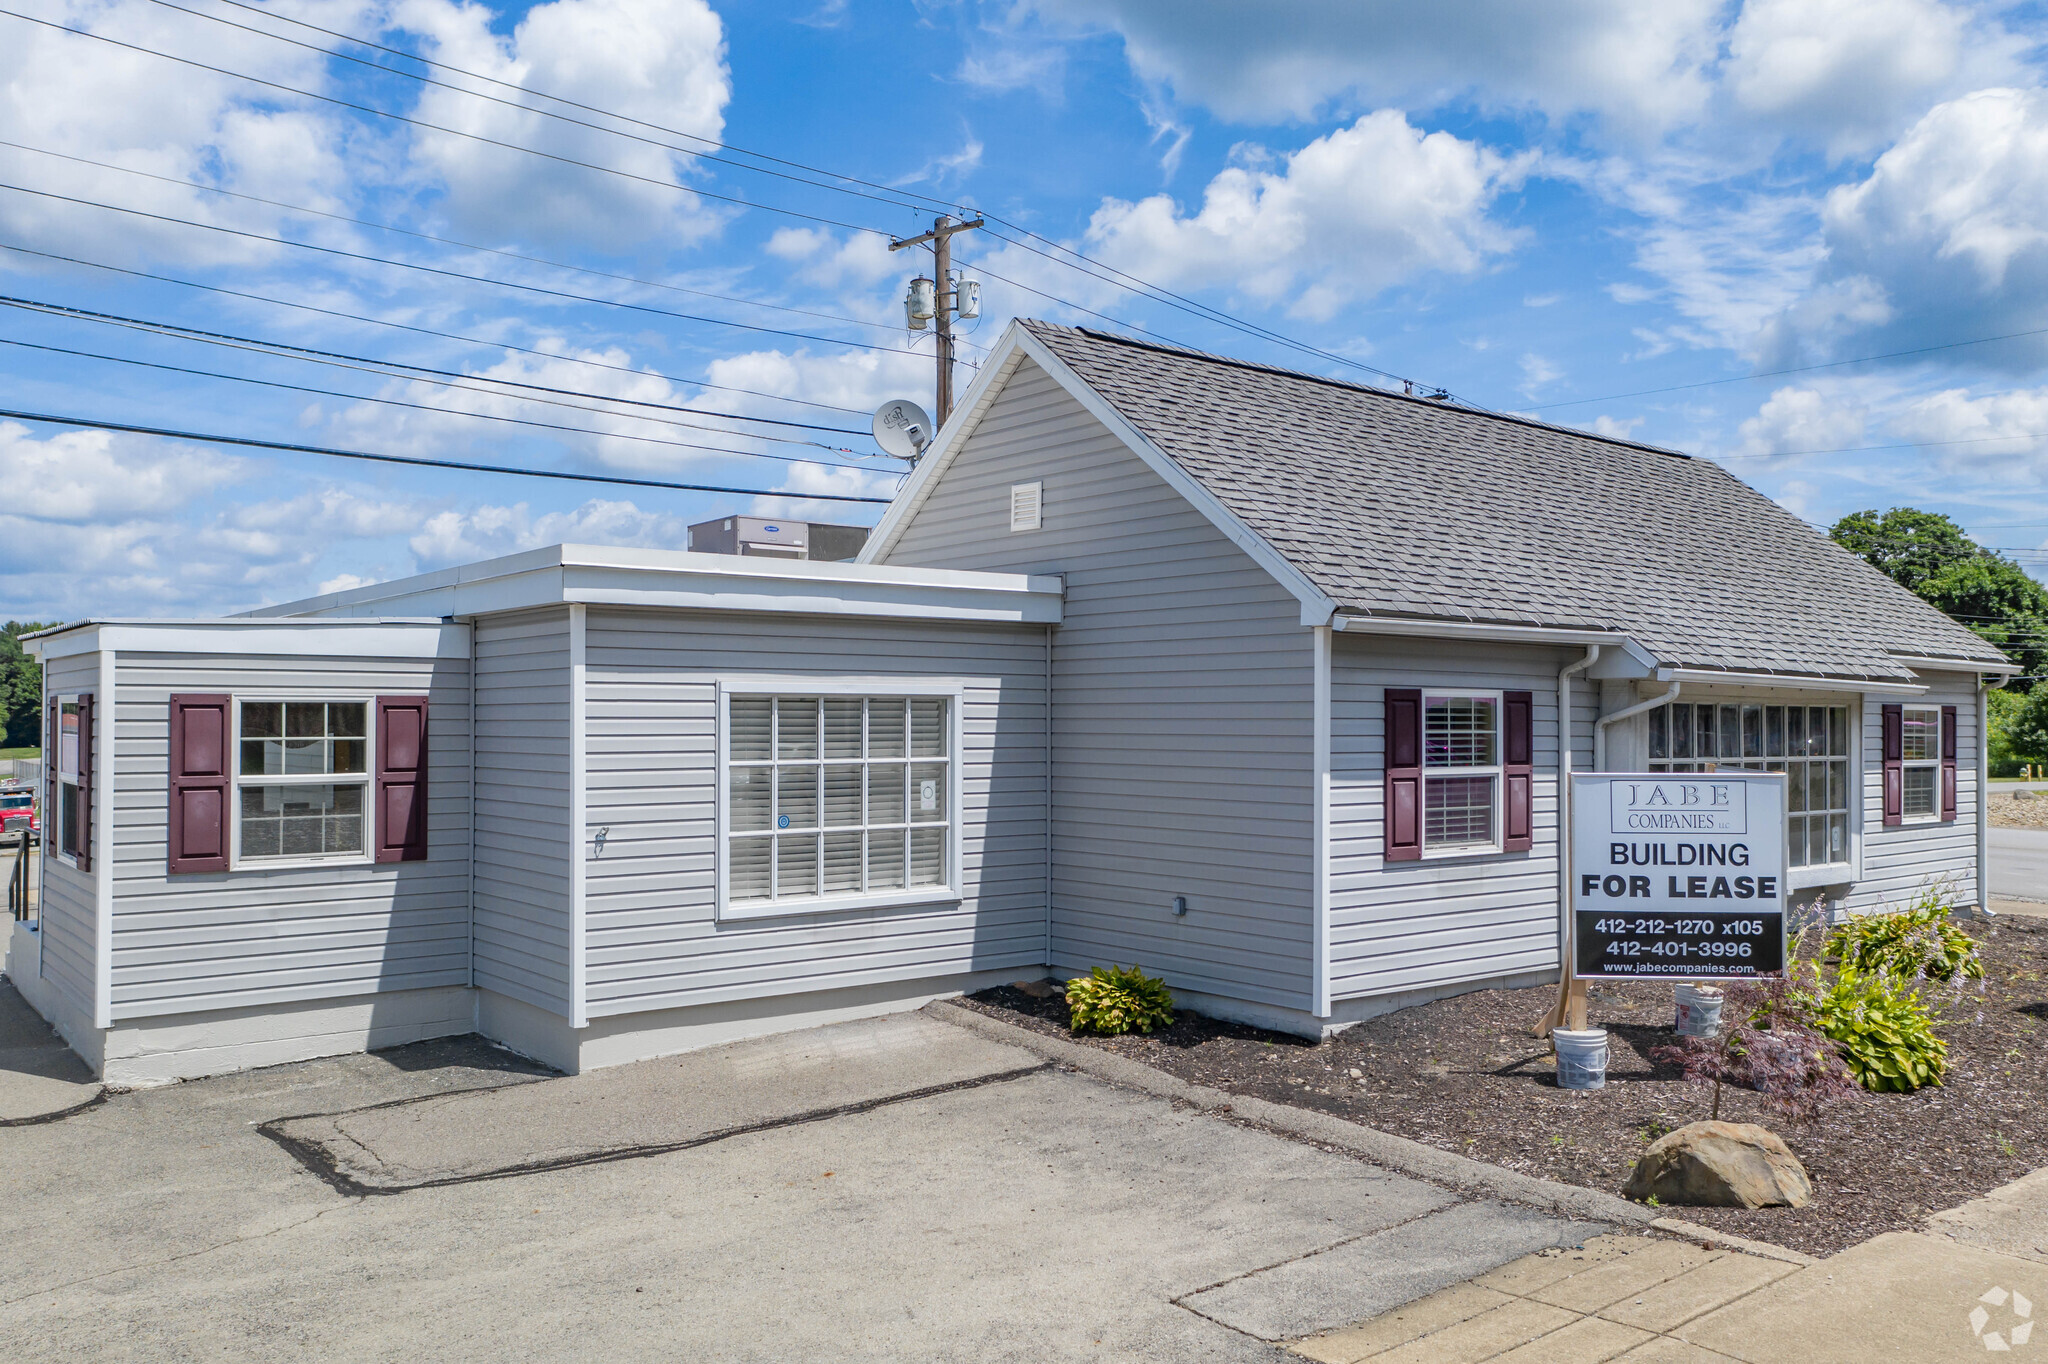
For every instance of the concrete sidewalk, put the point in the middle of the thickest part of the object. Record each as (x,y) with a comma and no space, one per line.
(40,1077)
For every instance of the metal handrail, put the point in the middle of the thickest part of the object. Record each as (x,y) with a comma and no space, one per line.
(17,881)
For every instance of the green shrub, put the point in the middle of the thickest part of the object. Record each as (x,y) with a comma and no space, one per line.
(1885,1031)
(1915,942)
(1116,1001)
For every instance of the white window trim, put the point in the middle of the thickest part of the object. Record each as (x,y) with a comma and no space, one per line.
(1906,765)
(368,856)
(947,893)
(1819,873)
(1498,772)
(53,820)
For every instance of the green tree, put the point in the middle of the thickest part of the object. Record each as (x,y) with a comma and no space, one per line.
(2026,734)
(1906,545)
(21,688)
(1928,554)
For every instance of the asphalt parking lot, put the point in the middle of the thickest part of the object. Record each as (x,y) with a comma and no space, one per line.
(886,1190)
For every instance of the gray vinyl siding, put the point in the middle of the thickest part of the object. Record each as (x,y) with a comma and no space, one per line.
(652,935)
(1900,861)
(69,912)
(216,940)
(522,923)
(1404,925)
(1182,718)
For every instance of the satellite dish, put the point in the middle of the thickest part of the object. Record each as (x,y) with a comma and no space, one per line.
(902,428)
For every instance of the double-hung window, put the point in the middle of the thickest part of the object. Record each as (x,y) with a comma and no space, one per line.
(836,799)
(1920,751)
(1809,744)
(1461,772)
(71,814)
(302,777)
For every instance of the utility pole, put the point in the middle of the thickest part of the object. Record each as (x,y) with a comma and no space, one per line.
(944,300)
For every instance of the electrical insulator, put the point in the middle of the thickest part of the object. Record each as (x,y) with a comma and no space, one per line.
(920,305)
(967,297)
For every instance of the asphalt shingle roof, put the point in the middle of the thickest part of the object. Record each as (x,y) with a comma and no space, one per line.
(1404,507)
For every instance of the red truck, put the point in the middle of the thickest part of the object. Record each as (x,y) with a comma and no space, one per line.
(18,817)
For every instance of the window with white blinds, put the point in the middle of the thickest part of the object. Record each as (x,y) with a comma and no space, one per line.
(836,796)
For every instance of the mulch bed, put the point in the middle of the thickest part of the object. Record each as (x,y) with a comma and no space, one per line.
(1465,1075)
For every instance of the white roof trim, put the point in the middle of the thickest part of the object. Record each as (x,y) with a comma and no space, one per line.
(1927,664)
(600,576)
(1017,344)
(1509,634)
(346,638)
(1708,677)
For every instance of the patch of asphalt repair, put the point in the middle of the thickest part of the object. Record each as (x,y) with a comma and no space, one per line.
(320,1162)
(38,1119)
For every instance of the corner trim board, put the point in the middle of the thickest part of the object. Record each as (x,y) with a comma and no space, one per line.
(579,872)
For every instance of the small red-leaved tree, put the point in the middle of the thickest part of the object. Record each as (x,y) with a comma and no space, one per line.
(1767,1044)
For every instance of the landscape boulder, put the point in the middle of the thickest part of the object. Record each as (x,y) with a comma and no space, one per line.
(1721,1165)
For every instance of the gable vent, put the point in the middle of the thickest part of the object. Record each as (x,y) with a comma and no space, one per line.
(1026,504)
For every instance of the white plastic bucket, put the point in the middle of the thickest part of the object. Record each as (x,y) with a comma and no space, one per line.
(1581,1057)
(1699,1011)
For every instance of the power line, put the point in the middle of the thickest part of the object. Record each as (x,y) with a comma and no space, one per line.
(1903,445)
(888,195)
(48,419)
(451,274)
(1797,369)
(450,241)
(438,128)
(341,360)
(425,407)
(1146,289)
(429,331)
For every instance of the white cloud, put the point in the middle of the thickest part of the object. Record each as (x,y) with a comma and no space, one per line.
(658,61)
(862,380)
(1348,215)
(860,260)
(805,481)
(1537,373)
(1795,419)
(1945,240)
(454,537)
(1999,434)
(1616,428)
(1642,65)
(74,96)
(83,476)
(1848,74)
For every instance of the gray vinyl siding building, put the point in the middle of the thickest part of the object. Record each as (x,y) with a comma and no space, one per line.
(1182,686)
(1170,621)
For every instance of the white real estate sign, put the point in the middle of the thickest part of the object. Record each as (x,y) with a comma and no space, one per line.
(1678,875)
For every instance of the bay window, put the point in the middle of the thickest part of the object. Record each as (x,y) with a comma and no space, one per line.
(1809,744)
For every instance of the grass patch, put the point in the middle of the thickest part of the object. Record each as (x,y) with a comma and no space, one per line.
(32,754)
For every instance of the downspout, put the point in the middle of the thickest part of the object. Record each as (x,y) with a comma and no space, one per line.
(1600,729)
(1564,814)
(1983,796)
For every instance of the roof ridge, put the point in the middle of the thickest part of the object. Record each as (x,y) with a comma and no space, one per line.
(1432,404)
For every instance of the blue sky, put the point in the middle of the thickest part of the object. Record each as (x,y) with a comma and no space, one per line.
(1606,213)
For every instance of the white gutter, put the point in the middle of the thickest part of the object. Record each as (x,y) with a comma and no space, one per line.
(1600,728)
(1564,808)
(1711,677)
(1505,634)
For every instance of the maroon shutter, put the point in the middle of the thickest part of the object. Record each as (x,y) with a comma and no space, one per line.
(53,785)
(1518,767)
(1948,762)
(401,779)
(83,853)
(1894,765)
(199,784)
(1403,813)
